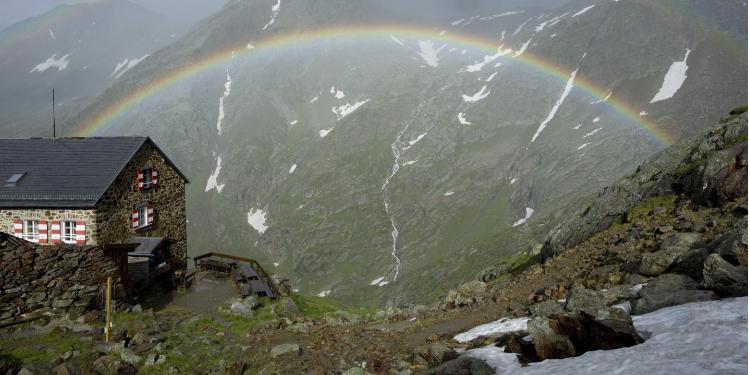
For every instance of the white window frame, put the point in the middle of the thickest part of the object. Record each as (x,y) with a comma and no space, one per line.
(66,225)
(31,230)
(148,177)
(142,215)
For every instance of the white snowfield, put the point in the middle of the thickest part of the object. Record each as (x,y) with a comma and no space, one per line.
(673,80)
(257,219)
(695,338)
(212,183)
(227,91)
(324,293)
(529,212)
(293,168)
(498,326)
(479,95)
(125,65)
(346,109)
(566,90)
(582,11)
(52,62)
(428,53)
(462,119)
(477,66)
(274,12)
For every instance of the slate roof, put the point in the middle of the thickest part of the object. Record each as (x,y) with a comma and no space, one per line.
(64,172)
(146,245)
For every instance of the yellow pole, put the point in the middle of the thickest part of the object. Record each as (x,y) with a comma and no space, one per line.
(108,307)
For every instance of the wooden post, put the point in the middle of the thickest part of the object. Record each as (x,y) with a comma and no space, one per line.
(108,308)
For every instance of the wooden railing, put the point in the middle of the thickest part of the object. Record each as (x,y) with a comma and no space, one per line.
(252,262)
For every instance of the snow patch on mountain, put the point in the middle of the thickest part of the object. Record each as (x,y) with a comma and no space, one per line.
(558,103)
(577,127)
(602,100)
(294,122)
(499,326)
(257,219)
(125,65)
(212,183)
(529,212)
(324,293)
(346,109)
(315,99)
(449,193)
(582,11)
(524,46)
(596,119)
(293,168)
(52,62)
(323,133)
(591,133)
(462,119)
(52,34)
(477,66)
(479,95)
(520,27)
(581,147)
(491,77)
(702,337)
(227,91)
(673,80)
(410,162)
(550,22)
(397,40)
(643,113)
(274,12)
(428,53)
(415,140)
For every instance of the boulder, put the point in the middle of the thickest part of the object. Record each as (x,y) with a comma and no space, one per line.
(290,308)
(724,278)
(463,366)
(438,353)
(670,290)
(129,356)
(732,246)
(243,306)
(653,264)
(593,300)
(467,294)
(690,263)
(680,240)
(524,349)
(567,335)
(548,341)
(282,349)
(545,308)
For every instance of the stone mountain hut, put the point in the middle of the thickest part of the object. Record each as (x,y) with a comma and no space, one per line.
(92,191)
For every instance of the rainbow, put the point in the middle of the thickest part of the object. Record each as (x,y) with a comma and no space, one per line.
(96,121)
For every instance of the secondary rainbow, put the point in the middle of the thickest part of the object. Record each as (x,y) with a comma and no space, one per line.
(99,119)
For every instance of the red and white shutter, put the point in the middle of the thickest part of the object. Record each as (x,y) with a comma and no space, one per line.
(150,216)
(135,219)
(80,232)
(154,178)
(43,231)
(18,228)
(54,232)
(140,179)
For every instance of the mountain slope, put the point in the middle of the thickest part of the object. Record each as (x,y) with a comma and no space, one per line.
(77,49)
(380,159)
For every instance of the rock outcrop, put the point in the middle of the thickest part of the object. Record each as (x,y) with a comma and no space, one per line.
(711,169)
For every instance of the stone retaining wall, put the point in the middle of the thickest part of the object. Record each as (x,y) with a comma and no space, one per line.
(38,279)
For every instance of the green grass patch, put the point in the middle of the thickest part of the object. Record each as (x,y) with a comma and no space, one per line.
(647,207)
(44,349)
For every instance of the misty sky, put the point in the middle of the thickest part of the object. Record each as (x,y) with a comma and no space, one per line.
(12,11)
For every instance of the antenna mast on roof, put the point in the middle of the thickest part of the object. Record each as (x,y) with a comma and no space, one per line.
(54,126)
